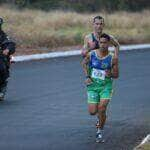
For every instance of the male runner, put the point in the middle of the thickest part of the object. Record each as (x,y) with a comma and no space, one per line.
(100,68)
(91,41)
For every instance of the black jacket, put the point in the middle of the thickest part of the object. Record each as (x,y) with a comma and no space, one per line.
(6,43)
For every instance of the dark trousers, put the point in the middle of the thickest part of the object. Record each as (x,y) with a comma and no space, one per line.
(4,73)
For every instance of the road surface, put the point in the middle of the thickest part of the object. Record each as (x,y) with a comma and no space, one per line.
(46,109)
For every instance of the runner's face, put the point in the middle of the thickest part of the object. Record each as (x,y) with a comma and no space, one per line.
(98,25)
(104,43)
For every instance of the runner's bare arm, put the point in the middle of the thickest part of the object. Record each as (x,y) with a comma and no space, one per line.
(85,48)
(115,68)
(85,63)
(115,43)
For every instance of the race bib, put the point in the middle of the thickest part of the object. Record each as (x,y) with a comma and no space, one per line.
(98,74)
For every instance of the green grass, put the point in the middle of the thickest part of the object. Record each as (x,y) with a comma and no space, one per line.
(144,147)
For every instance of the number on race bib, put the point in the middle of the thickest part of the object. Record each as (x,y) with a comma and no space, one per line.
(98,74)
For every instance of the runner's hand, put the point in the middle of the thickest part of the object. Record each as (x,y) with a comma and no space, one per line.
(108,73)
(5,52)
(88,81)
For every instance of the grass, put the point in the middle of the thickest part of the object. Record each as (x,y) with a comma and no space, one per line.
(33,28)
(144,147)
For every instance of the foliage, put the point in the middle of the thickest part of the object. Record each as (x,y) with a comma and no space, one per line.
(81,5)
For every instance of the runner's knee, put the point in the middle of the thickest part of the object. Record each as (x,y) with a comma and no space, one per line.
(92,109)
(102,108)
(92,112)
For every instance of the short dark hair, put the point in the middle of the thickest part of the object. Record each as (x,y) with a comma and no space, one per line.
(106,36)
(97,17)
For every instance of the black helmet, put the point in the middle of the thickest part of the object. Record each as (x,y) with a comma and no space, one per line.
(1,21)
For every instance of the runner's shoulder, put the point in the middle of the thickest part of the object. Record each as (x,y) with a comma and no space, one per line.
(88,36)
(113,38)
(92,52)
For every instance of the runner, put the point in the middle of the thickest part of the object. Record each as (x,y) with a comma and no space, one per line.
(100,67)
(91,41)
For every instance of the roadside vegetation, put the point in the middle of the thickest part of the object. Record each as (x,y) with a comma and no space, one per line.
(143,147)
(36,28)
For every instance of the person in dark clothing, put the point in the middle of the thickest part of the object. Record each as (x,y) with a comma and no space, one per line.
(7,48)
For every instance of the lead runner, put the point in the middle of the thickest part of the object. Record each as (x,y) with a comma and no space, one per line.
(100,68)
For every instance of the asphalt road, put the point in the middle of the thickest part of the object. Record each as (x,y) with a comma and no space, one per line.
(46,109)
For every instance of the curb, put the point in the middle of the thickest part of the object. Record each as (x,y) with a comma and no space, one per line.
(72,53)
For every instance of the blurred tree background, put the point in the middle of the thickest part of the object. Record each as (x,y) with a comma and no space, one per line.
(81,5)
